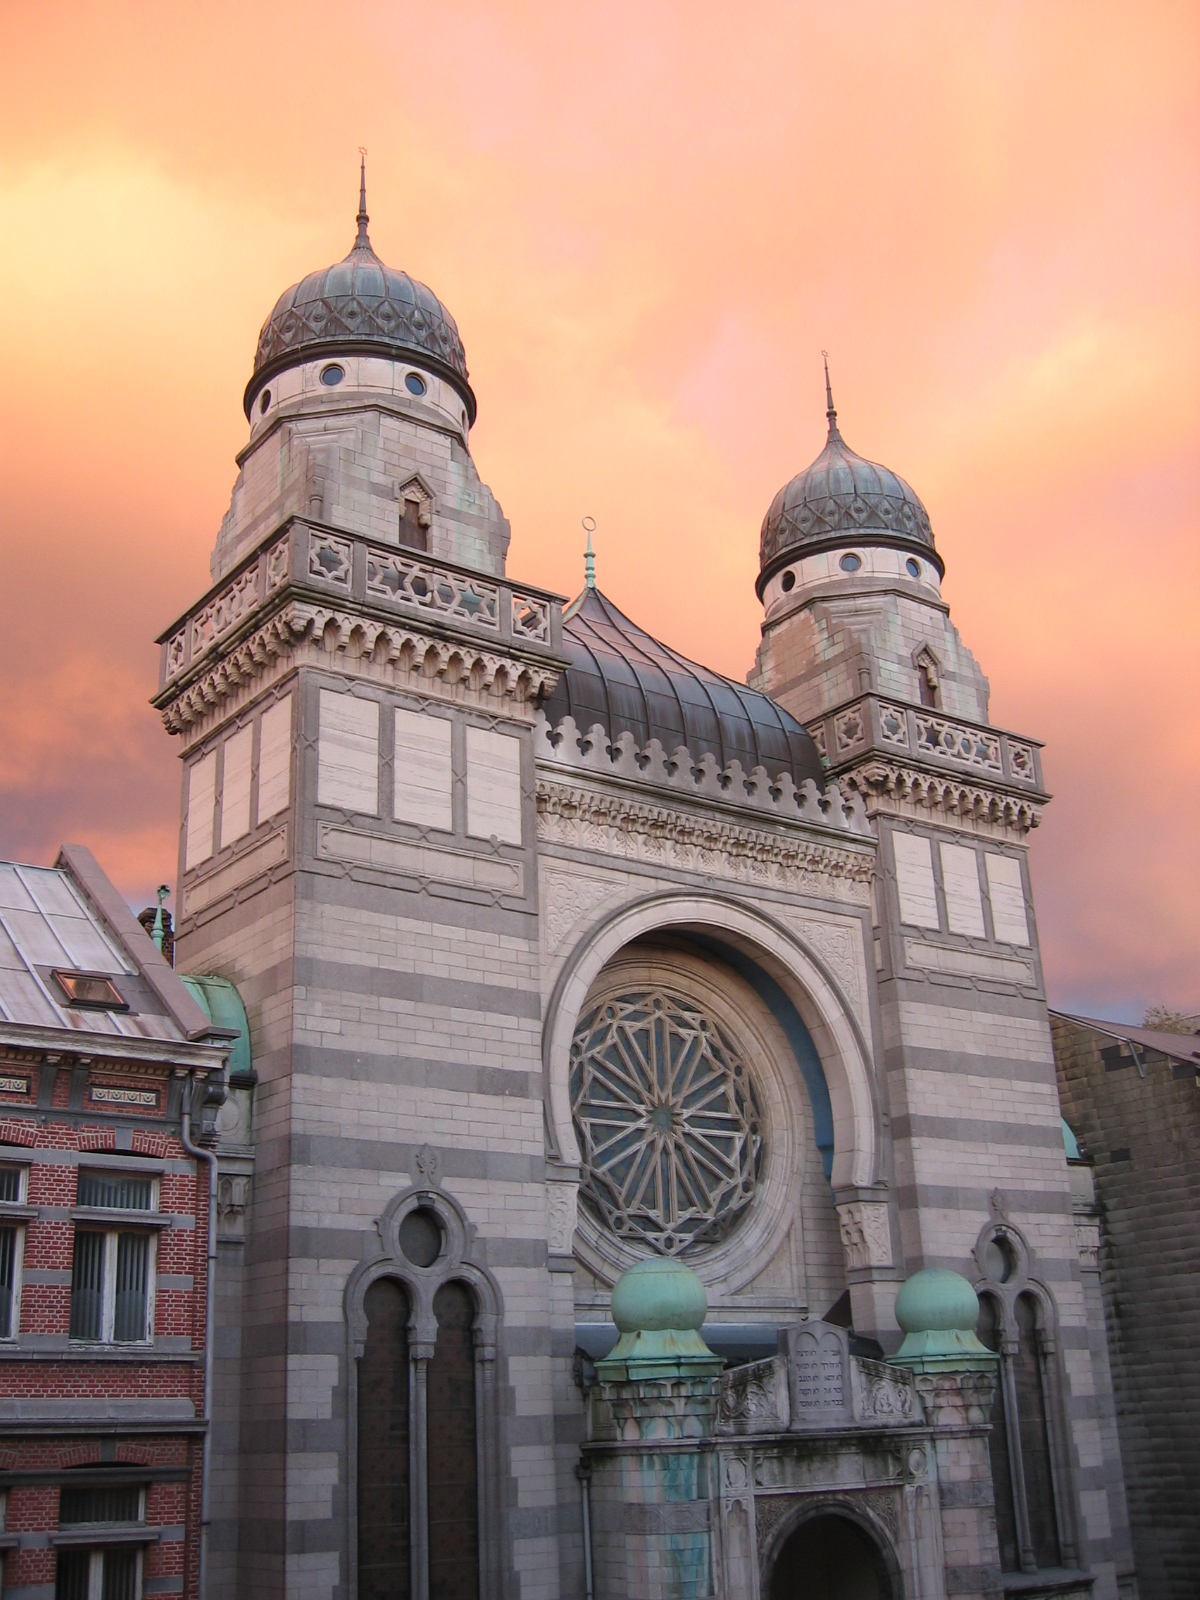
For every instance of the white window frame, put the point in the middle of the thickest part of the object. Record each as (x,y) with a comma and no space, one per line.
(95,1590)
(11,1216)
(112,1229)
(96,1573)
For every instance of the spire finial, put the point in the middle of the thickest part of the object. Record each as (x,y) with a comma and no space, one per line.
(158,931)
(362,219)
(830,413)
(589,555)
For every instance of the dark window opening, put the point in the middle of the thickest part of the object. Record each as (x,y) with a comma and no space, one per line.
(114,1191)
(383,1483)
(111,1574)
(830,1558)
(414,383)
(453,1488)
(8,1274)
(414,525)
(421,1237)
(10,1184)
(1002,1481)
(118,1504)
(788,582)
(1035,1436)
(264,402)
(927,681)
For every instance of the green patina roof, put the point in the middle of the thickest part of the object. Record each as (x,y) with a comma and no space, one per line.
(222,1005)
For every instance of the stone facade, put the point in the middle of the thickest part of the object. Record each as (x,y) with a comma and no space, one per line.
(529,999)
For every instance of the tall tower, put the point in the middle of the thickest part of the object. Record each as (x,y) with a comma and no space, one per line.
(354,698)
(858,644)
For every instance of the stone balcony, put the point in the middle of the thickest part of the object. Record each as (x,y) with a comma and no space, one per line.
(876,728)
(327,567)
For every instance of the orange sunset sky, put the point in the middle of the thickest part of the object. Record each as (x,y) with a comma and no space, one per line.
(647,219)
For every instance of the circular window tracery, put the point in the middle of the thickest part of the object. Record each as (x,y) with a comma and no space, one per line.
(668,1122)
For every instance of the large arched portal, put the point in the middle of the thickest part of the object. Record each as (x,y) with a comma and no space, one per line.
(830,1558)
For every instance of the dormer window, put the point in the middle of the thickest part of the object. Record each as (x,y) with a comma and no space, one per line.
(90,990)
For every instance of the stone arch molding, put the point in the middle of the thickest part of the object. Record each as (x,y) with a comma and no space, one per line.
(422,1283)
(826,1011)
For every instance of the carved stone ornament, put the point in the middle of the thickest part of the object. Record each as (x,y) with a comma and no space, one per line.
(886,786)
(566,900)
(1087,1235)
(615,824)
(754,1398)
(866,1234)
(386,652)
(562,1200)
(778,798)
(882,1393)
(427,1166)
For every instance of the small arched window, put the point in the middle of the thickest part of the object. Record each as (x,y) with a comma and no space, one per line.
(453,1486)
(928,688)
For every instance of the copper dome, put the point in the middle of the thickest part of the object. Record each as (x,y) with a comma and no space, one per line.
(359,306)
(841,495)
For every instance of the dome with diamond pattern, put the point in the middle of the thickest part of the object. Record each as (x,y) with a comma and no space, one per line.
(840,499)
(359,306)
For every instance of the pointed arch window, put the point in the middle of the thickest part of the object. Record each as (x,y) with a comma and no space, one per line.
(1034,1516)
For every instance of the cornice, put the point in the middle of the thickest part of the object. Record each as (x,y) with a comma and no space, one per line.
(339,639)
(892,786)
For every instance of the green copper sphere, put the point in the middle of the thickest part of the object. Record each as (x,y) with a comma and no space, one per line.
(935,1301)
(656,1295)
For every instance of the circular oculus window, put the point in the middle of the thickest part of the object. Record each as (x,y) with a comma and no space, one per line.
(668,1122)
(332,375)
(850,563)
(264,403)
(788,582)
(913,568)
(414,383)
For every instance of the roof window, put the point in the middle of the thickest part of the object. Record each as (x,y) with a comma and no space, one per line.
(90,990)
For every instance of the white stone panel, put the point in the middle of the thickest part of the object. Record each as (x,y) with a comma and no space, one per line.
(914,880)
(275,758)
(348,753)
(235,787)
(493,785)
(202,799)
(422,770)
(1009,922)
(960,882)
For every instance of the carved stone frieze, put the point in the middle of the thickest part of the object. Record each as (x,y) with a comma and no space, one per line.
(887,786)
(1087,1235)
(754,1398)
(566,900)
(866,1234)
(562,1211)
(614,823)
(839,946)
(390,651)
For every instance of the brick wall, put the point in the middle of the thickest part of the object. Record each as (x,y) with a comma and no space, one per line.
(1144,1136)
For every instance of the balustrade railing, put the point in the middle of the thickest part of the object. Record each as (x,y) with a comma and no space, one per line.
(379,577)
(917,732)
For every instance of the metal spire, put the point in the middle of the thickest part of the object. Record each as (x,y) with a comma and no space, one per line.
(589,555)
(829,408)
(362,242)
(158,932)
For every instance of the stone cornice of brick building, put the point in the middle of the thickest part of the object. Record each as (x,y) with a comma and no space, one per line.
(323,597)
(642,807)
(27,1045)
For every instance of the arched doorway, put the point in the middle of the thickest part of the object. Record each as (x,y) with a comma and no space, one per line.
(830,1558)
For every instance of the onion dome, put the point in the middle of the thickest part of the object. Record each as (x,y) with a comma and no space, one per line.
(621,678)
(841,498)
(359,306)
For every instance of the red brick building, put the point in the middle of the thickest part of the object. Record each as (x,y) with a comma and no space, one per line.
(111,1074)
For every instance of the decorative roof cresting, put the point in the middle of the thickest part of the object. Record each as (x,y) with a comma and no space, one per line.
(841,494)
(360,306)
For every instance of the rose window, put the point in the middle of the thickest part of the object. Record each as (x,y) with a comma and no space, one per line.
(667,1121)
